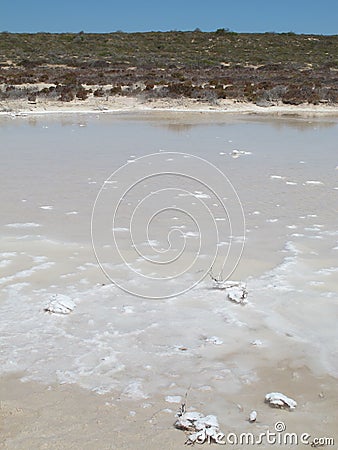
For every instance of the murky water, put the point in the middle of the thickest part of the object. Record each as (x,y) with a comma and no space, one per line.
(286,178)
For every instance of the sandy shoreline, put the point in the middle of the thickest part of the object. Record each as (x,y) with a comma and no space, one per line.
(55,417)
(67,417)
(133,104)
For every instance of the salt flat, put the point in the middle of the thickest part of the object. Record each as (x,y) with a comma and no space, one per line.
(130,353)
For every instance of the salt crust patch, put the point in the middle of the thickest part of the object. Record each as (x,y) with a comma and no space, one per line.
(134,391)
(23,225)
(277,177)
(28,272)
(173,399)
(314,182)
(5,263)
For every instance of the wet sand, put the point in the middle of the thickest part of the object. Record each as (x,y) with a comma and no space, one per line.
(99,378)
(68,417)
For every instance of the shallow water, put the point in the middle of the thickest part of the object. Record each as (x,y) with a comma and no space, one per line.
(134,347)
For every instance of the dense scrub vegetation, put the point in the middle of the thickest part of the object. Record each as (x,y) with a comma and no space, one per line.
(262,68)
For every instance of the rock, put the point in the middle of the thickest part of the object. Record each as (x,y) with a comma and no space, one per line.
(202,428)
(60,304)
(236,291)
(237,294)
(278,400)
(253,416)
(186,421)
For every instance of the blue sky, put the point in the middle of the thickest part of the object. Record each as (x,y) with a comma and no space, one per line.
(299,16)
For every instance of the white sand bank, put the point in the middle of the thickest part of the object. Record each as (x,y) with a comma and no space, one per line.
(121,104)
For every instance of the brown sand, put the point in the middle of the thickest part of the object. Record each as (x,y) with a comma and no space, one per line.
(35,416)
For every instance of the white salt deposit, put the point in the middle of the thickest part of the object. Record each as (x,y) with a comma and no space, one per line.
(191,234)
(134,391)
(173,399)
(23,225)
(277,177)
(314,183)
(5,262)
(202,196)
(214,340)
(237,153)
(60,304)
(279,400)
